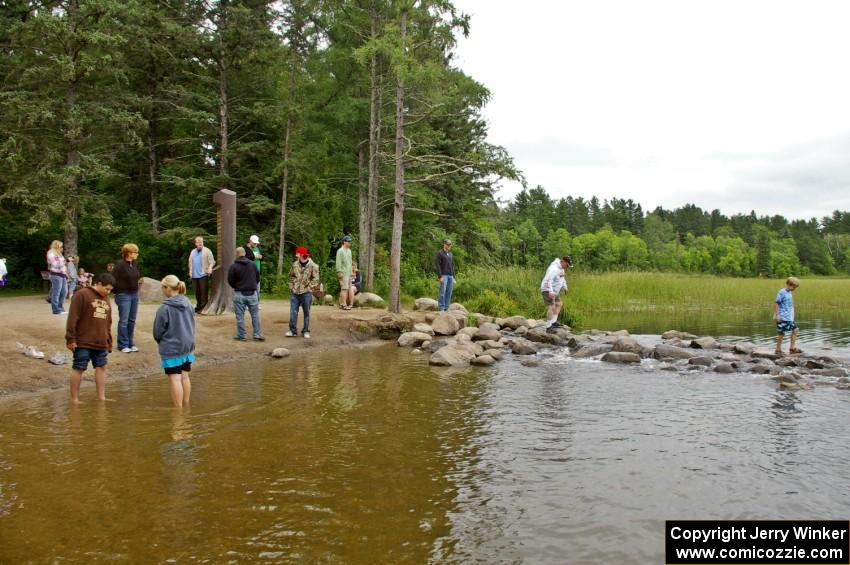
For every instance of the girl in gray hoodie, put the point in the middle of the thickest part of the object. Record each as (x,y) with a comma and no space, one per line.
(174,331)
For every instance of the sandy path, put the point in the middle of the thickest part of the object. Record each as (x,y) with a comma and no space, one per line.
(28,320)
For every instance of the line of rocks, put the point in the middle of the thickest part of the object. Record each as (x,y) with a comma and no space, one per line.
(451,342)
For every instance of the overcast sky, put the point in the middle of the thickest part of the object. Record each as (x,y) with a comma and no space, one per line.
(732,104)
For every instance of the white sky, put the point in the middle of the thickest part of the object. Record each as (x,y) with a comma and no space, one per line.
(732,104)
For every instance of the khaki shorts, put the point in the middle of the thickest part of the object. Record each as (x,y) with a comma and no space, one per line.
(344,281)
(551,301)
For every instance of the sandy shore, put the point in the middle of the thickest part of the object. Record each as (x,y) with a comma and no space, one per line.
(28,320)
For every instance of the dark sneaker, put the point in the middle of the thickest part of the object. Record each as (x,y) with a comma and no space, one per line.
(551,330)
(259,338)
(237,338)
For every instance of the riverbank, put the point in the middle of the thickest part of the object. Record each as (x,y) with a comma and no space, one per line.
(28,320)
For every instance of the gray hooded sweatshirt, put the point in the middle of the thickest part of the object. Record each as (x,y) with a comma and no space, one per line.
(174,327)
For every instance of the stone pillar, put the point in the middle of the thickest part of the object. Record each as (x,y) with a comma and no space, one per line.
(221,299)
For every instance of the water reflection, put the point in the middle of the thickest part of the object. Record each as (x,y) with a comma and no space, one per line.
(373,457)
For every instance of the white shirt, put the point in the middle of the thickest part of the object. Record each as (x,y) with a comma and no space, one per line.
(555,278)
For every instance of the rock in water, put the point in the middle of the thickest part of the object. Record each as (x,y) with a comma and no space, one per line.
(663,351)
(451,355)
(412,339)
(280,352)
(522,346)
(704,343)
(621,357)
(424,328)
(627,345)
(514,322)
(483,360)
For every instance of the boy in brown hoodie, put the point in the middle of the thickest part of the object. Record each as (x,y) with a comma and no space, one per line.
(88,333)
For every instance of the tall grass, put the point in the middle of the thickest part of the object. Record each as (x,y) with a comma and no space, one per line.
(513,290)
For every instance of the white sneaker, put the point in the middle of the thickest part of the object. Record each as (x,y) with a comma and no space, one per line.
(290,334)
(126,350)
(134,349)
(306,335)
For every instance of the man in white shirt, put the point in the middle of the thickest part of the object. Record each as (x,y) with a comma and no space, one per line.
(553,283)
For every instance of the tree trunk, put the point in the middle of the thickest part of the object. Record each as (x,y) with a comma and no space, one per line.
(72,147)
(152,174)
(284,189)
(362,208)
(222,116)
(398,208)
(376,101)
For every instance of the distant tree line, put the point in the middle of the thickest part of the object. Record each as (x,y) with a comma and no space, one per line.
(618,235)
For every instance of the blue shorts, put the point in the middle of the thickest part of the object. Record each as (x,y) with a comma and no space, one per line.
(177,365)
(785,326)
(82,356)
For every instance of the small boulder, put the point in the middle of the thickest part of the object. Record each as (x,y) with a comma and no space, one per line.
(483,319)
(368,299)
(531,362)
(327,299)
(491,343)
(483,360)
(461,317)
(470,331)
(627,345)
(621,333)
(702,361)
(663,351)
(578,341)
(279,352)
(676,334)
(592,350)
(523,346)
(838,372)
(496,354)
(460,307)
(786,362)
(488,331)
(745,347)
(706,342)
(765,354)
(412,339)
(522,330)
(724,368)
(431,316)
(812,364)
(514,322)
(424,328)
(426,345)
(451,355)
(445,324)
(150,290)
(425,305)
(621,357)
(760,369)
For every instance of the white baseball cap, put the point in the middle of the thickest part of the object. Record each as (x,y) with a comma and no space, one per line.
(254,239)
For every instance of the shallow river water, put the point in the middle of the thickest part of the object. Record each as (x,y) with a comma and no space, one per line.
(372,457)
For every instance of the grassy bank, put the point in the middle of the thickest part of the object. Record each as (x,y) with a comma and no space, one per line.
(510,291)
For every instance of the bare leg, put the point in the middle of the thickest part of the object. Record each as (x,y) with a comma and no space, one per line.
(793,340)
(343,298)
(187,388)
(779,343)
(351,295)
(100,382)
(176,386)
(76,378)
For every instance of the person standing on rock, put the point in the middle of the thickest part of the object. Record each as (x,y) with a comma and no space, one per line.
(553,283)
(445,265)
(201,263)
(343,271)
(303,280)
(243,277)
(783,309)
(126,273)
(88,334)
(174,331)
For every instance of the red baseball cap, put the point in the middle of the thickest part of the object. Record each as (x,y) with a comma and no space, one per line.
(302,251)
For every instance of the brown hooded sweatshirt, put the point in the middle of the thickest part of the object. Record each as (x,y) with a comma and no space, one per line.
(90,320)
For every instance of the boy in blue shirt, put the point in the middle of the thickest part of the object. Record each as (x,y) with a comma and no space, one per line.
(784,315)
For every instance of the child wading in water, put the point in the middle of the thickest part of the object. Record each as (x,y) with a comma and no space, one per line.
(88,333)
(174,331)
(784,315)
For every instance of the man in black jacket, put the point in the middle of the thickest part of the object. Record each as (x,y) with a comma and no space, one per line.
(445,266)
(243,276)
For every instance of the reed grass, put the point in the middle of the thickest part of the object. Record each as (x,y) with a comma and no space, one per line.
(513,290)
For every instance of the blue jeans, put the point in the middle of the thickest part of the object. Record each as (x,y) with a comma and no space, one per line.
(445,297)
(58,292)
(128,305)
(240,301)
(304,301)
